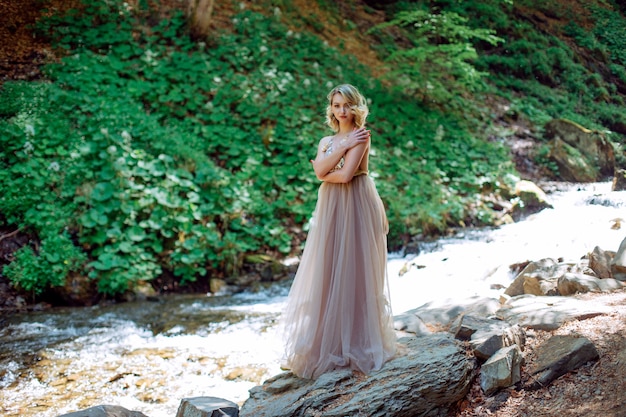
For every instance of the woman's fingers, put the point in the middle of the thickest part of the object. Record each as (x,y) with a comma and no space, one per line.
(357,136)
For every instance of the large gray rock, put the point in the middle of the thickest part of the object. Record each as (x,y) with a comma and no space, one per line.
(589,156)
(530,199)
(560,355)
(547,313)
(543,269)
(207,407)
(105,411)
(572,164)
(440,314)
(427,377)
(570,284)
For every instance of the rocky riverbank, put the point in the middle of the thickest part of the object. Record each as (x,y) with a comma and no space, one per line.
(423,380)
(542,349)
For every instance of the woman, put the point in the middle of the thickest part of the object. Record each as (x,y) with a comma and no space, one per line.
(338,312)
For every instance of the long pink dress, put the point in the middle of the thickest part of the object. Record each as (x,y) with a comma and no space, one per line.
(338,312)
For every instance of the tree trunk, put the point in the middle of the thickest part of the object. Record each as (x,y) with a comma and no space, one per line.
(199,14)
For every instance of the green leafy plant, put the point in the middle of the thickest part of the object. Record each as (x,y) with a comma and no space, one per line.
(159,154)
(48,265)
(438,64)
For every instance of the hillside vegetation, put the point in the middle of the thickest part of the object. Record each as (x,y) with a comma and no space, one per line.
(145,151)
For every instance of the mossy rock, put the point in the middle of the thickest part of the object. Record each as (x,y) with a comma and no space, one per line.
(587,154)
(572,164)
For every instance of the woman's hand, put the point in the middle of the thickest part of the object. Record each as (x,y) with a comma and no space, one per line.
(354,138)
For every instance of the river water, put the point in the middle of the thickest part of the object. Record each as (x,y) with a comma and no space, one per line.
(147,356)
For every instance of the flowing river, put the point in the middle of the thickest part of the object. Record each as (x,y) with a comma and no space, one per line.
(147,356)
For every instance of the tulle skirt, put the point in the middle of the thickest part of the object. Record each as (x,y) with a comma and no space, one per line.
(338,312)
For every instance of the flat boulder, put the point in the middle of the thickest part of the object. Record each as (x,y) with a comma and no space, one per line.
(560,355)
(548,312)
(439,315)
(427,377)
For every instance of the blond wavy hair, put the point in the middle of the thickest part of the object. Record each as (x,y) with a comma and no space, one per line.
(358,106)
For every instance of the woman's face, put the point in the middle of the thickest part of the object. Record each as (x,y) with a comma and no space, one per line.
(341,109)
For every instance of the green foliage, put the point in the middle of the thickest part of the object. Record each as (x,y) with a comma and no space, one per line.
(545,77)
(585,39)
(48,266)
(438,66)
(159,154)
(539,71)
(610,30)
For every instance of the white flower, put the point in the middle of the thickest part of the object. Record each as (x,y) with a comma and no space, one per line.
(54,166)
(30,129)
(270,73)
(242,5)
(306,82)
(111,149)
(277,11)
(126,136)
(149,57)
(28,147)
(104,131)
(263,49)
(289,33)
(217,80)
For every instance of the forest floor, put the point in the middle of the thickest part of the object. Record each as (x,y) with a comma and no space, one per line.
(597,389)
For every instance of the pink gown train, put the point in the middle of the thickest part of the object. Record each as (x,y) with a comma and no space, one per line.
(338,312)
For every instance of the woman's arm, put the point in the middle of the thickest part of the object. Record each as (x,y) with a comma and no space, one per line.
(326,160)
(352,160)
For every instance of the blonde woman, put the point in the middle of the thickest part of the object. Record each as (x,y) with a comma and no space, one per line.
(338,312)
